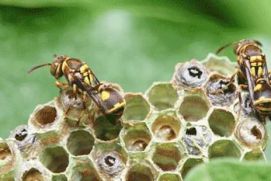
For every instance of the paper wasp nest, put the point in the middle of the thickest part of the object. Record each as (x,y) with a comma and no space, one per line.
(163,133)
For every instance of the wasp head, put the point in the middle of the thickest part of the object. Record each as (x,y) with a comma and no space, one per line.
(248,48)
(56,66)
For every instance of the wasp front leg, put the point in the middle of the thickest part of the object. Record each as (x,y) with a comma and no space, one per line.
(61,85)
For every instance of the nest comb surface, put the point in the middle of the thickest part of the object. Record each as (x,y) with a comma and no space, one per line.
(163,133)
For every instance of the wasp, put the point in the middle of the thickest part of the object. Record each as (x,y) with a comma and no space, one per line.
(252,74)
(82,80)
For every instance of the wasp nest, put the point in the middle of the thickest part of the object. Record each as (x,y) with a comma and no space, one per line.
(162,134)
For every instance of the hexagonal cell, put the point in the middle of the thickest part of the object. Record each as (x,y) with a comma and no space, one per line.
(166,127)
(222,122)
(224,148)
(30,170)
(254,155)
(44,115)
(162,96)
(170,177)
(84,170)
(251,132)
(32,174)
(5,151)
(141,172)
(27,142)
(80,142)
(137,137)
(137,108)
(218,64)
(194,107)
(60,177)
(167,156)
(221,90)
(196,139)
(110,158)
(8,159)
(190,74)
(189,164)
(56,159)
(105,129)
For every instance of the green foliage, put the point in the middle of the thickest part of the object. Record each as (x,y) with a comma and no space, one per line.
(220,170)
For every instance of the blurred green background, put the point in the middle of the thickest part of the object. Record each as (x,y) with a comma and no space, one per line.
(130,42)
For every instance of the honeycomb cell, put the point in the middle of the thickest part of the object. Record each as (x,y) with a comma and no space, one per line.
(251,132)
(254,155)
(80,142)
(162,96)
(44,116)
(32,174)
(166,127)
(105,129)
(190,74)
(136,109)
(166,156)
(110,158)
(189,164)
(55,158)
(5,152)
(222,122)
(196,139)
(224,148)
(137,137)
(170,177)
(140,172)
(194,107)
(221,90)
(60,177)
(221,65)
(84,170)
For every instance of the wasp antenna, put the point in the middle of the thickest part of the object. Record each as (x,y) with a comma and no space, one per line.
(37,67)
(223,47)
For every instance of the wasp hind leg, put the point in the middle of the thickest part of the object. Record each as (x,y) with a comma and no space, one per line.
(61,85)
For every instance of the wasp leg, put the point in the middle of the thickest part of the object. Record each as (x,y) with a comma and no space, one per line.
(61,85)
(240,103)
(85,96)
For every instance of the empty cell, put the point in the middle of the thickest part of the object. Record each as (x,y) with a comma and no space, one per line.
(140,172)
(60,177)
(194,107)
(162,96)
(5,152)
(224,148)
(136,109)
(254,155)
(137,138)
(189,164)
(80,142)
(170,177)
(166,156)
(222,122)
(56,159)
(166,127)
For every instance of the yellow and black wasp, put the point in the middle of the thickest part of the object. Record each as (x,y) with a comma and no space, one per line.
(252,74)
(82,80)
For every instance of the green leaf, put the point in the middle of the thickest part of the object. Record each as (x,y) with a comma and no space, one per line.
(233,170)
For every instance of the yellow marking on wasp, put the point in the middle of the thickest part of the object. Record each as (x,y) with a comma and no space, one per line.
(253,71)
(255,58)
(105,95)
(64,64)
(258,87)
(84,68)
(260,71)
(116,107)
(86,80)
(254,64)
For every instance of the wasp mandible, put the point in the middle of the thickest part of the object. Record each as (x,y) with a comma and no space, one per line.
(82,80)
(252,74)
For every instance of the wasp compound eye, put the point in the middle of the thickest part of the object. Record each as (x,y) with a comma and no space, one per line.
(191,74)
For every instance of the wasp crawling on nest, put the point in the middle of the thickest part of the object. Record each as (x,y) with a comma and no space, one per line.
(252,75)
(83,81)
